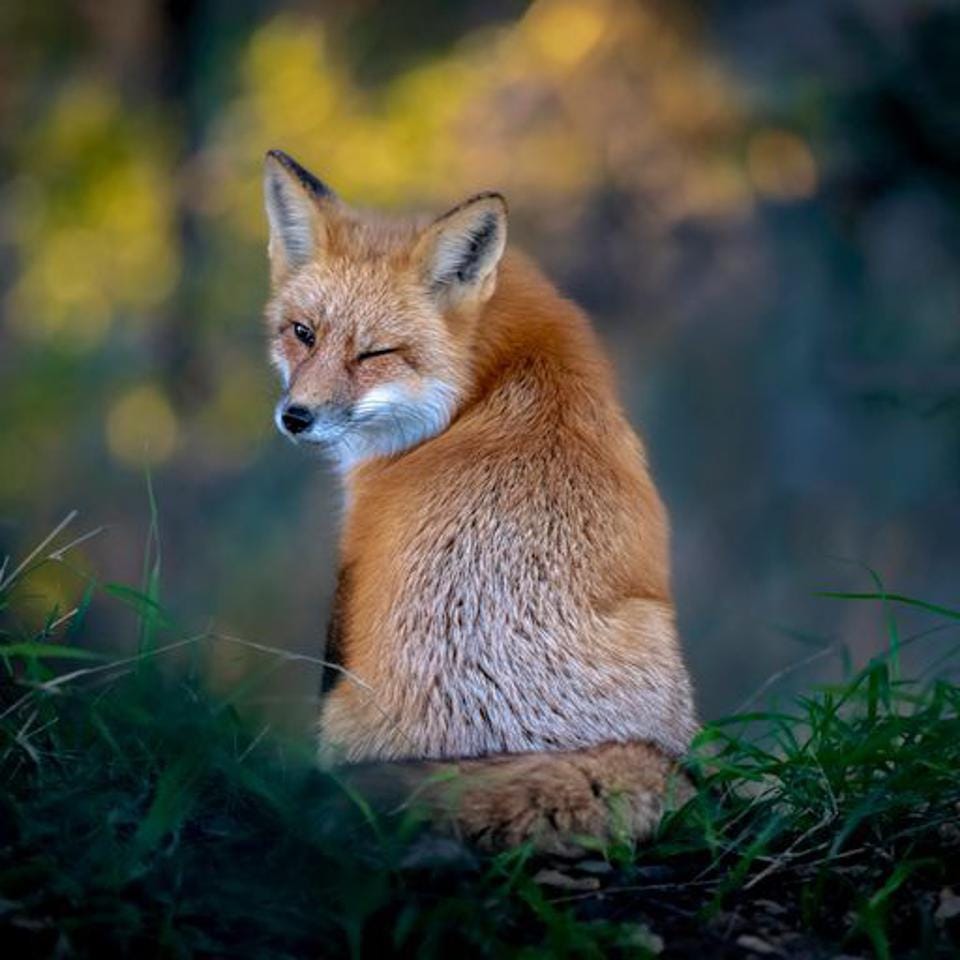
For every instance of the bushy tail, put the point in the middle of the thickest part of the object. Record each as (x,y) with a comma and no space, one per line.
(614,791)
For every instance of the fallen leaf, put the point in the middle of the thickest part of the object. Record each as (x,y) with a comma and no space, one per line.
(949,906)
(757,945)
(640,935)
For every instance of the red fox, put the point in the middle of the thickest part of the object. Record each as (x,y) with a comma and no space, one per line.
(503,607)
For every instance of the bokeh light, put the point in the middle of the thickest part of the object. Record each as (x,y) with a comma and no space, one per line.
(142,427)
(781,165)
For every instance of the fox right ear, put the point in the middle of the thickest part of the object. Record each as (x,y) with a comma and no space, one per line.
(458,253)
(297,207)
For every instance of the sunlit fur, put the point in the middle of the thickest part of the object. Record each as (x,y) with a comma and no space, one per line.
(504,600)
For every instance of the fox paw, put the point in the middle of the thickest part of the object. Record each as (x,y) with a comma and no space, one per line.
(561,802)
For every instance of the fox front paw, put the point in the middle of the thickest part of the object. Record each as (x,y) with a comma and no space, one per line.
(557,805)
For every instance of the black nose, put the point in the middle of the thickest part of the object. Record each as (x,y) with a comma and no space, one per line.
(297,419)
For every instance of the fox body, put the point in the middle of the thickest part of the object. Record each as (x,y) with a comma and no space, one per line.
(504,604)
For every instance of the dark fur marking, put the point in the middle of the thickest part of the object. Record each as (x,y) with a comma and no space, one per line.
(489,677)
(555,710)
(480,240)
(484,716)
(314,186)
(336,631)
(484,195)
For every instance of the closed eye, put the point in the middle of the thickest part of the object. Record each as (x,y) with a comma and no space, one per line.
(370,354)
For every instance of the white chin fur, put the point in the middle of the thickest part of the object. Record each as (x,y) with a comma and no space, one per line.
(394,417)
(280,365)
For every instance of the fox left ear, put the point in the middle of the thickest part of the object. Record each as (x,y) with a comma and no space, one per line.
(298,208)
(458,253)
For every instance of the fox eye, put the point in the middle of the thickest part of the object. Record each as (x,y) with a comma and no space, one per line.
(304,334)
(370,354)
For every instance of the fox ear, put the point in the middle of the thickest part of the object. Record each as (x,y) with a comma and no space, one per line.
(458,253)
(298,205)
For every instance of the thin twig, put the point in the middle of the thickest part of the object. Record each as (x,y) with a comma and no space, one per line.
(643,888)
(49,538)
(789,853)
(58,554)
(20,737)
(306,658)
(288,655)
(16,705)
(775,678)
(253,743)
(62,620)
(49,685)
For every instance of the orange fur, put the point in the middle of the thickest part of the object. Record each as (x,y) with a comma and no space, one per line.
(504,585)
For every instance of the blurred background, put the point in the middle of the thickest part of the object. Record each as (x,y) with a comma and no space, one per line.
(758,202)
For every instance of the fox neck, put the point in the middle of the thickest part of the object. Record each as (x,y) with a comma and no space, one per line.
(526,321)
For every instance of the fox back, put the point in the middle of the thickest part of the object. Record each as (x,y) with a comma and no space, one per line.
(504,564)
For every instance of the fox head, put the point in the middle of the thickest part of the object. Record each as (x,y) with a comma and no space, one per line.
(370,320)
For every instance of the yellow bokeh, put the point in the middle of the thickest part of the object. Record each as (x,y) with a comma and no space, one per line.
(94,221)
(575,94)
(720,190)
(563,32)
(293,84)
(781,165)
(47,593)
(60,296)
(83,110)
(142,428)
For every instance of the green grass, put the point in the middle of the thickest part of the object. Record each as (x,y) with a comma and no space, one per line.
(142,815)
